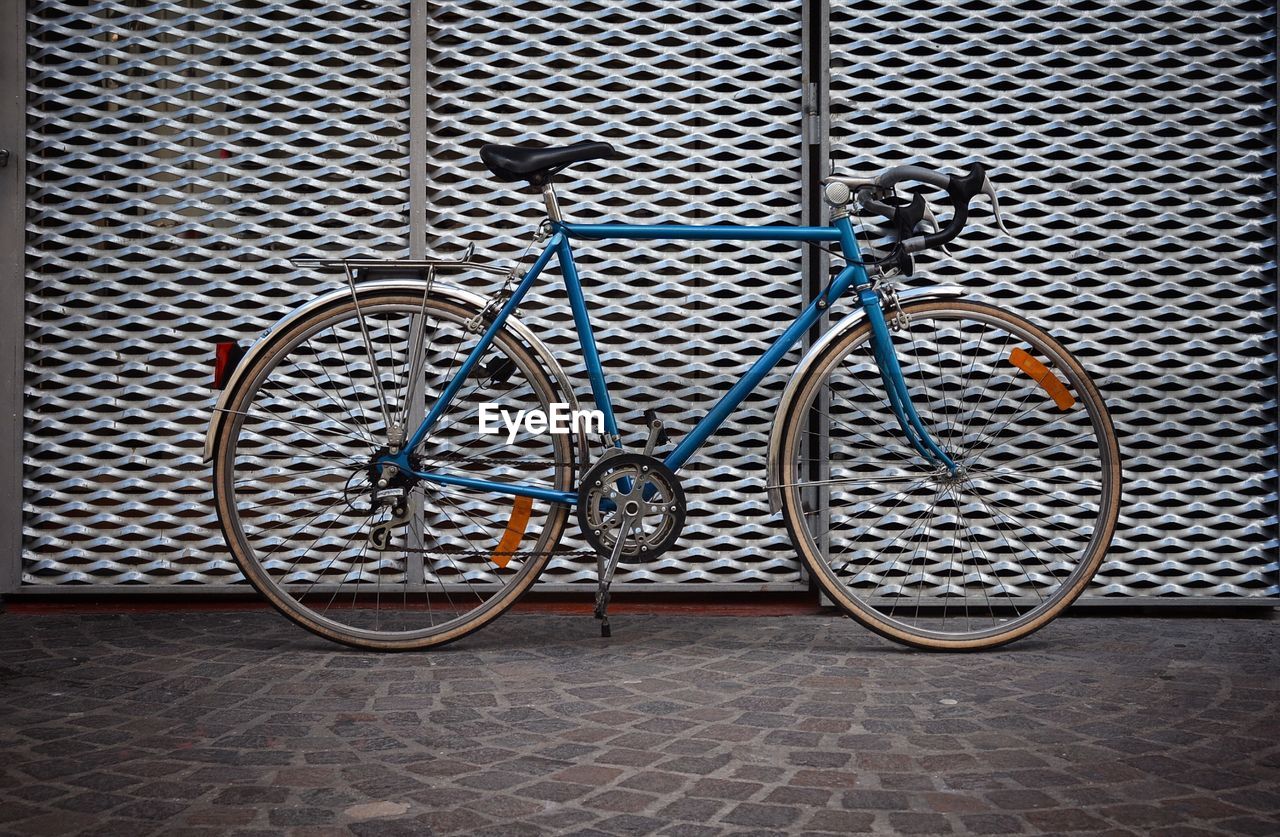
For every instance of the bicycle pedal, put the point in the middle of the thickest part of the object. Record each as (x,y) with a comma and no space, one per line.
(657,433)
(652,421)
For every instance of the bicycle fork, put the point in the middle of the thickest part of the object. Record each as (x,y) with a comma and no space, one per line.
(895,386)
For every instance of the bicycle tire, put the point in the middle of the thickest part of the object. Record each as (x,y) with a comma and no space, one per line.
(872,567)
(341,363)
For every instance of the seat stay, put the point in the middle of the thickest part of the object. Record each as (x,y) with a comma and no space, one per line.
(473,357)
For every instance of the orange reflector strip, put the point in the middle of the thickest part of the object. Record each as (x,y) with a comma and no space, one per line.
(1042,376)
(515,531)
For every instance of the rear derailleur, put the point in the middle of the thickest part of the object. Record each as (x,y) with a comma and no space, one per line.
(389,489)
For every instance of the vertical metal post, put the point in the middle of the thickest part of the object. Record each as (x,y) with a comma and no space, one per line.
(13,183)
(415,562)
(815,263)
(418,14)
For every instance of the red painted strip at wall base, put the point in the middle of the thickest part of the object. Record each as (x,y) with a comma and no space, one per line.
(710,604)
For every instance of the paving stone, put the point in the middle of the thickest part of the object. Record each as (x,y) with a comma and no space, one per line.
(618,799)
(203,723)
(654,781)
(911,822)
(1018,800)
(723,789)
(818,758)
(300,816)
(874,799)
(150,809)
(1252,825)
(824,779)
(1066,819)
(759,773)
(840,822)
(907,781)
(803,797)
(405,827)
(690,830)
(697,810)
(630,824)
(755,814)
(994,824)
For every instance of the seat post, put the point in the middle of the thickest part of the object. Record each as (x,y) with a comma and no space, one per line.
(553,205)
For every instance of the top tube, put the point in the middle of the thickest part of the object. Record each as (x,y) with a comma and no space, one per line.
(693,232)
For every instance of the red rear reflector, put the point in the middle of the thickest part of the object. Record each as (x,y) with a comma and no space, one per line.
(225,360)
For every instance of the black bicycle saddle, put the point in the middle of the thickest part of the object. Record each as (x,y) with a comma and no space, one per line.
(537,163)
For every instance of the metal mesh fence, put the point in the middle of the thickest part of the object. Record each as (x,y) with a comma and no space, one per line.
(705,103)
(180,152)
(1135,145)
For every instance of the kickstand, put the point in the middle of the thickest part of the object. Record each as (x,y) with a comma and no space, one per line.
(605,573)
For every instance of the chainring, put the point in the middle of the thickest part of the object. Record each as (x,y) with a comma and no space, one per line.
(631,478)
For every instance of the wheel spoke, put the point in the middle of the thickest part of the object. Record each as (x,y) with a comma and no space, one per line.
(980,535)
(298,473)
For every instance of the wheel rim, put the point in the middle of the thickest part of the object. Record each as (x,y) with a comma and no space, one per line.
(971,559)
(300,526)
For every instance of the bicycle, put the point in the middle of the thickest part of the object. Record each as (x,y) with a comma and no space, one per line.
(358,494)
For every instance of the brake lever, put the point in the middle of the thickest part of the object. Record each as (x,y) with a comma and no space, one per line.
(888,211)
(990,191)
(935,226)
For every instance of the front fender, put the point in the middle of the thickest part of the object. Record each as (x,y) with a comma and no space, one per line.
(460,296)
(773,465)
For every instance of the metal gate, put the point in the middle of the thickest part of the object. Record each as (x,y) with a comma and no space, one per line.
(1136,146)
(178,153)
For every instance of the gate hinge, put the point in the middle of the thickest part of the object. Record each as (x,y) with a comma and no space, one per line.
(814,127)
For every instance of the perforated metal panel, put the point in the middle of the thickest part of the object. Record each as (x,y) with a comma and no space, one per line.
(705,101)
(1135,144)
(178,153)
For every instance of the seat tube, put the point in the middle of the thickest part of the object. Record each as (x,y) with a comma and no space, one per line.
(586,338)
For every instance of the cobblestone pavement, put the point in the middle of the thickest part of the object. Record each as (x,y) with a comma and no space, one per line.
(237,722)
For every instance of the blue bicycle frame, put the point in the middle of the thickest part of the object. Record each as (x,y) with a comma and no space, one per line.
(854,275)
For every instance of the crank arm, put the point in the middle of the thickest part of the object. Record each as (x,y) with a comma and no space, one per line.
(606,572)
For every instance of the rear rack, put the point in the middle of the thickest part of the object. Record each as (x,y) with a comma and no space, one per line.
(364,265)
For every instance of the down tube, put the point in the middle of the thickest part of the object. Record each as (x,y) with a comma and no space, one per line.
(761,368)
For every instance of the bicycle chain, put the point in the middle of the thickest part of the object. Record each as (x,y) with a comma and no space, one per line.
(487,461)
(480,553)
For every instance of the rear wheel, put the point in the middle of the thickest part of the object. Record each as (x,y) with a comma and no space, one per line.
(941,561)
(296,491)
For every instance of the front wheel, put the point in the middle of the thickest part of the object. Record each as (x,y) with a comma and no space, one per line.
(412,564)
(948,561)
